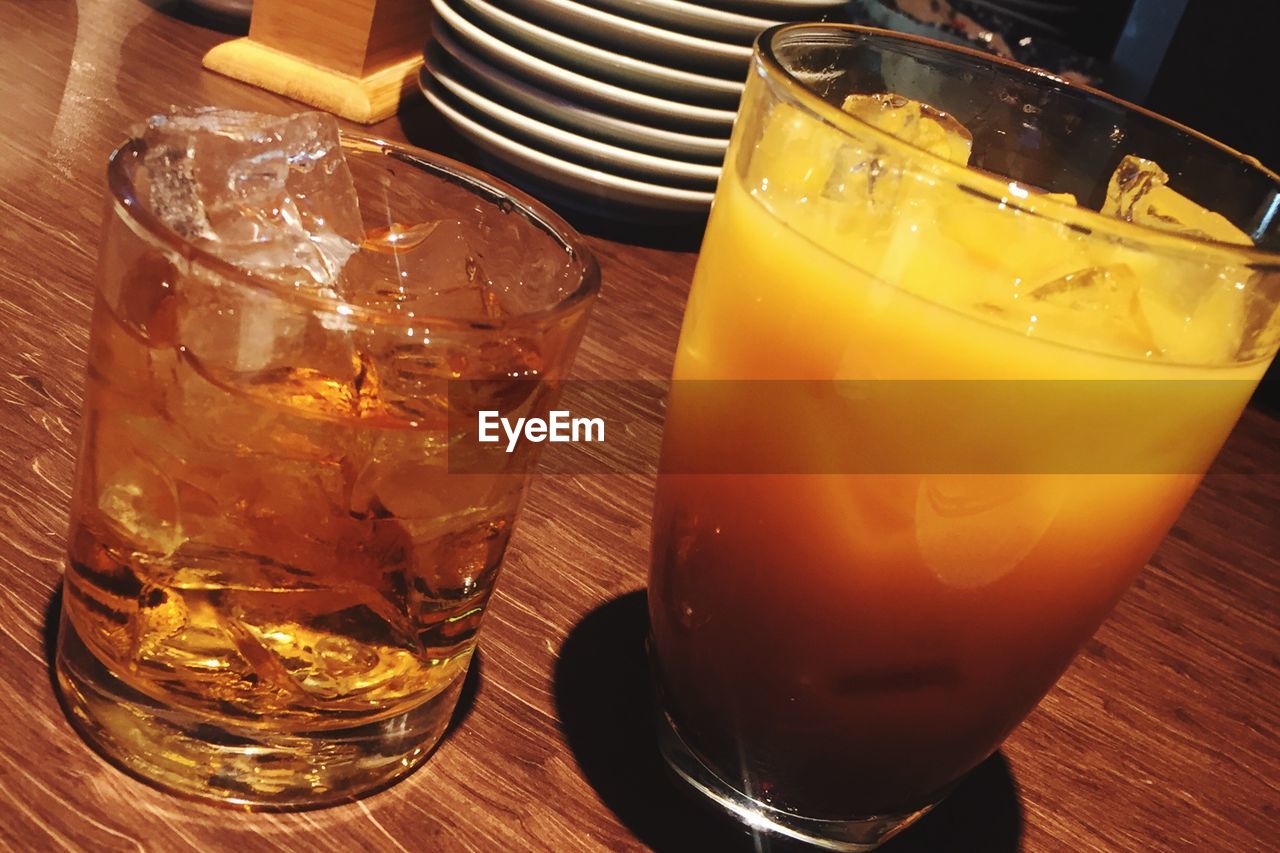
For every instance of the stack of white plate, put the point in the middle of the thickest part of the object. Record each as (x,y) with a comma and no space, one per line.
(619,106)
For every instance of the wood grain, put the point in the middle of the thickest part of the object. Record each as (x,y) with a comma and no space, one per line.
(329,33)
(1163,735)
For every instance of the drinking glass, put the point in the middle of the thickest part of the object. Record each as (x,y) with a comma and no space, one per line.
(877,538)
(275,575)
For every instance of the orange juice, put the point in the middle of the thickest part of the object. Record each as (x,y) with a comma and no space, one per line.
(849,644)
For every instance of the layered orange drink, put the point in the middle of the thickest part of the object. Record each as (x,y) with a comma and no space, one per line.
(838,635)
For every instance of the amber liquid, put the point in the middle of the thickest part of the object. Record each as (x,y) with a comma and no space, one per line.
(274,563)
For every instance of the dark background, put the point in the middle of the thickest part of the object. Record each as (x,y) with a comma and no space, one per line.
(1220,74)
(1216,74)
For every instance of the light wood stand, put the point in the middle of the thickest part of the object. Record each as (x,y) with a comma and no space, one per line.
(354,58)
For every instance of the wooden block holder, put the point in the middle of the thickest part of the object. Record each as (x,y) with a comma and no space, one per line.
(354,58)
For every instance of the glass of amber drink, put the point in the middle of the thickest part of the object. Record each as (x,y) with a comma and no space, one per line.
(275,576)
(877,540)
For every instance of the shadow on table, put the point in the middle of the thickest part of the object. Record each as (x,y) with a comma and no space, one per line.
(605,707)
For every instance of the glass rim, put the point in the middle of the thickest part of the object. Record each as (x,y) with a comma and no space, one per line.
(479,183)
(765,57)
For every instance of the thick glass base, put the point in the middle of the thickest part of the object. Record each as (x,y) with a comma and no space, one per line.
(855,834)
(231,765)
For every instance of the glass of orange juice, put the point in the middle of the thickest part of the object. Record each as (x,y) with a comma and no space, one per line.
(962,340)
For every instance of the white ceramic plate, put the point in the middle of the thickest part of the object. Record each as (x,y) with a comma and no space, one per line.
(562,141)
(627,101)
(693,17)
(599,26)
(614,67)
(592,183)
(570,114)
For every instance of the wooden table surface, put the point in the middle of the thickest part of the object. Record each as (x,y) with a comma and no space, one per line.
(1162,736)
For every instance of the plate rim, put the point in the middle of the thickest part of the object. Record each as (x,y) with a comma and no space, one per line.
(709,84)
(791,4)
(688,199)
(650,104)
(674,40)
(508,117)
(558,105)
(709,16)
